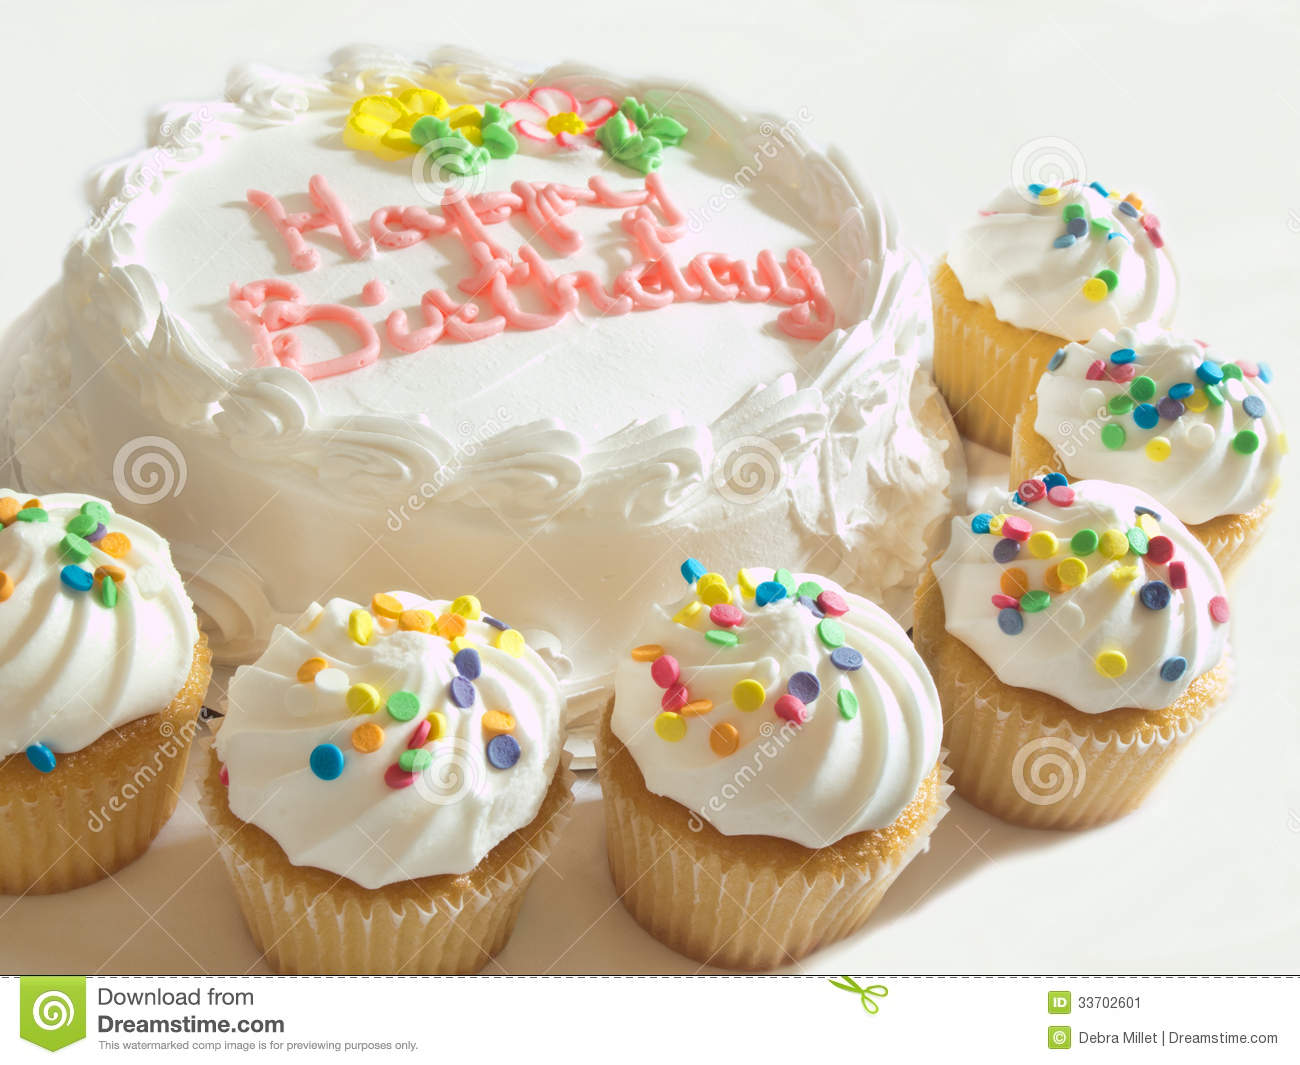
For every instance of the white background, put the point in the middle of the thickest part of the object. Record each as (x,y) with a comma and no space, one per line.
(1194,105)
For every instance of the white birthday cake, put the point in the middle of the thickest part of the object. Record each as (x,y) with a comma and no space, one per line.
(451,326)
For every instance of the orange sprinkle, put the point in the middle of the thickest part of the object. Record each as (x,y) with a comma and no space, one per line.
(450,626)
(308,670)
(6,586)
(724,739)
(116,572)
(1134,199)
(1052,578)
(386,606)
(415,621)
(498,722)
(1015,582)
(647,652)
(367,736)
(115,544)
(8,509)
(31,504)
(696,707)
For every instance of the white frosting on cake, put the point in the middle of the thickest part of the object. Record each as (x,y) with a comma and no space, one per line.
(1192,458)
(838,772)
(548,471)
(73,667)
(444,817)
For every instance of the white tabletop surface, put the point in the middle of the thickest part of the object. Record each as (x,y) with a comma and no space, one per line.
(1196,107)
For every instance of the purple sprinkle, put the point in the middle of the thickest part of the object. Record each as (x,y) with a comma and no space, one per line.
(462,692)
(811,604)
(495,623)
(468,663)
(1010,621)
(846,658)
(1170,409)
(1006,549)
(101,530)
(804,686)
(1077,227)
(1147,510)
(503,751)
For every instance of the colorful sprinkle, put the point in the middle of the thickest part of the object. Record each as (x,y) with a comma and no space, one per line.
(769,592)
(361,626)
(1170,409)
(383,605)
(831,632)
(362,698)
(848,704)
(1173,668)
(670,726)
(415,621)
(1094,288)
(811,607)
(1113,544)
(647,652)
(1219,609)
(1058,357)
(461,692)
(1005,550)
(1055,480)
(1120,404)
(414,759)
(438,727)
(1160,549)
(790,708)
(468,663)
(1138,541)
(450,626)
(808,590)
(503,751)
(1084,542)
(687,615)
(804,686)
(1112,664)
(980,523)
(697,708)
(675,698)
(748,695)
(1014,582)
(76,578)
(34,515)
(496,623)
(724,738)
(832,604)
(1155,595)
(1210,372)
(722,637)
(1001,601)
(1146,416)
(693,570)
(1124,574)
(665,671)
(511,641)
(1017,529)
(1246,442)
(1158,448)
(1113,435)
(727,616)
(1010,621)
(401,706)
(712,589)
(467,606)
(41,758)
(116,544)
(1177,575)
(1060,495)
(308,670)
(846,658)
(498,723)
(326,761)
(367,737)
(1043,544)
(1031,491)
(1073,572)
(396,777)
(747,585)
(1034,601)
(1123,356)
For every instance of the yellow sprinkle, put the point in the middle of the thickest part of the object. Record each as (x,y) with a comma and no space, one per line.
(367,737)
(1095,289)
(688,613)
(361,626)
(1113,544)
(746,582)
(748,694)
(308,670)
(995,523)
(1112,664)
(713,589)
(363,699)
(1124,574)
(1158,448)
(1042,544)
(437,724)
(670,726)
(386,606)
(467,606)
(1049,195)
(511,642)
(1072,571)
(497,723)
(1196,402)
(1148,525)
(1282,446)
(459,643)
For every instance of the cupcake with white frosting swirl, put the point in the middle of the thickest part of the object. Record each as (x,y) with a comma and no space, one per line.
(770,763)
(1039,266)
(1196,429)
(1078,636)
(385,785)
(104,672)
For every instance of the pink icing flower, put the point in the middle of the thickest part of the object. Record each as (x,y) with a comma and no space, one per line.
(553,116)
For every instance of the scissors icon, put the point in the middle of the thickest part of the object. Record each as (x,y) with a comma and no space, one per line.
(867,994)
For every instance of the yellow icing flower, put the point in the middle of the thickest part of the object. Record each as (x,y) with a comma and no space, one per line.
(382,124)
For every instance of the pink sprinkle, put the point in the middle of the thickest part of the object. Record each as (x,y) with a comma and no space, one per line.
(1124,371)
(225,776)
(1201,343)
(1152,225)
(665,671)
(1016,529)
(396,777)
(1003,601)
(791,709)
(1031,491)
(727,615)
(1248,368)
(1060,494)
(421,734)
(675,697)
(374,293)
(1096,371)
(1160,549)
(832,604)
(1219,609)
(1177,574)
(986,214)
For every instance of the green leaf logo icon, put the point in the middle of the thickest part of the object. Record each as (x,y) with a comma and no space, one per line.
(52,1010)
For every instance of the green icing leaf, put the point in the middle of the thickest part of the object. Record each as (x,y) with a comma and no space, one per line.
(452,151)
(666,129)
(497,138)
(630,147)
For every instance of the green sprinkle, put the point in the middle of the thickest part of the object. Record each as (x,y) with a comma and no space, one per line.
(1073,210)
(402,706)
(1137,541)
(1110,277)
(785,578)
(722,637)
(809,588)
(1246,442)
(74,548)
(108,592)
(1100,226)
(415,759)
(1142,389)
(1033,602)
(1231,371)
(848,703)
(1120,404)
(1213,394)
(82,525)
(96,511)
(1084,542)
(35,514)
(1113,435)
(831,632)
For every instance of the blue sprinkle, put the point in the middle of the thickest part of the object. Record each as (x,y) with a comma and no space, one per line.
(1146,416)
(496,623)
(1172,668)
(462,692)
(809,602)
(769,592)
(76,578)
(1099,188)
(980,523)
(1010,621)
(1147,510)
(693,570)
(1265,373)
(1006,549)
(1254,406)
(42,758)
(1077,227)
(1181,390)
(804,686)
(1035,188)
(1015,498)
(1127,208)
(1065,240)
(1123,355)
(846,658)
(1054,363)
(1155,595)
(1209,372)
(468,663)
(1115,234)
(1055,480)
(326,761)
(503,751)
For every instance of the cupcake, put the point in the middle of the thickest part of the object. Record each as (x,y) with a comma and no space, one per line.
(1040,266)
(385,785)
(1197,431)
(1077,634)
(104,672)
(769,763)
